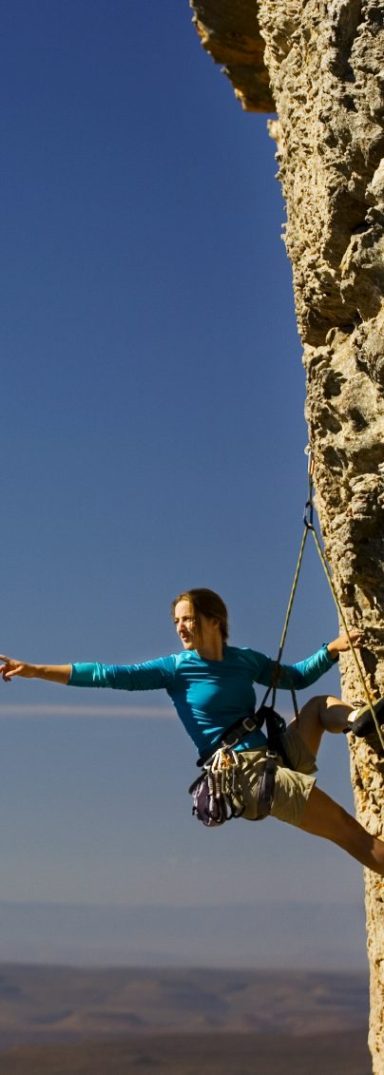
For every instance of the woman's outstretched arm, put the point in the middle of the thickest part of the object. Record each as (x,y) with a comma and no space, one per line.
(57,673)
(147,676)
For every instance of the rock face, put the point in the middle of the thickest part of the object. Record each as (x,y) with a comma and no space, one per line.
(230,32)
(325,60)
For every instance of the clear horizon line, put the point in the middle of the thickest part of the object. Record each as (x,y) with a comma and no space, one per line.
(85,709)
(175,907)
(45,709)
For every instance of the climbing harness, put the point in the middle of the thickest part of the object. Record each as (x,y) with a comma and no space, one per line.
(217,792)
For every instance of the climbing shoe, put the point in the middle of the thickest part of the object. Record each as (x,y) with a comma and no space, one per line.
(362,723)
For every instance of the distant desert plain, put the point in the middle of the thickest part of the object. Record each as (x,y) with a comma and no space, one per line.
(59,1020)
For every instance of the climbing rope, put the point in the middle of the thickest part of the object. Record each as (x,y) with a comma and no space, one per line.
(309,528)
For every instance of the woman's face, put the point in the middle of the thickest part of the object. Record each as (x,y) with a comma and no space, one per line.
(185,623)
(194,635)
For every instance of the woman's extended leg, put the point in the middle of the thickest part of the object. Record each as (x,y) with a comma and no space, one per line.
(324,817)
(320,714)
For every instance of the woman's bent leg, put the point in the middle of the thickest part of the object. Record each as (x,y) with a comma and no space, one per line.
(324,817)
(320,714)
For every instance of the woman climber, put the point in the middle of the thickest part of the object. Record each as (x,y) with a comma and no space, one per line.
(211,686)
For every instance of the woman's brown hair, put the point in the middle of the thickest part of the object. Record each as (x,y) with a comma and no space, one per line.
(205,603)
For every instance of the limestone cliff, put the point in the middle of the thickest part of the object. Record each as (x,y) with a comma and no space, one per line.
(230,32)
(325,64)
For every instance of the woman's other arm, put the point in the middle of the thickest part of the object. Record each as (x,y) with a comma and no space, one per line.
(304,673)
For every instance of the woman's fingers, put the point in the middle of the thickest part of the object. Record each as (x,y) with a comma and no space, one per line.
(10,668)
(355,636)
(6,673)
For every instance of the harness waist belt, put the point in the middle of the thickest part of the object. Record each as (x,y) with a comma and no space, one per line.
(234,734)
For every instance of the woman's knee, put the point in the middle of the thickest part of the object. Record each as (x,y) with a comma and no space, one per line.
(324,712)
(314,705)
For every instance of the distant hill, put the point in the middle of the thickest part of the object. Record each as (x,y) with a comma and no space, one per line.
(62,1004)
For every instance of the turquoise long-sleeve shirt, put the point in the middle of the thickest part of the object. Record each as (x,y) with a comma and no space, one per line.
(208,696)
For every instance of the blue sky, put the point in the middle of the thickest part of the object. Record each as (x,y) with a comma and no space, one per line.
(152,439)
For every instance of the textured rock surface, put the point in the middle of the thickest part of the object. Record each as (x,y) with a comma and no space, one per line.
(326,68)
(229,31)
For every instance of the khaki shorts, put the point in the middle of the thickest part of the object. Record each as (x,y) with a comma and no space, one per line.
(293,786)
